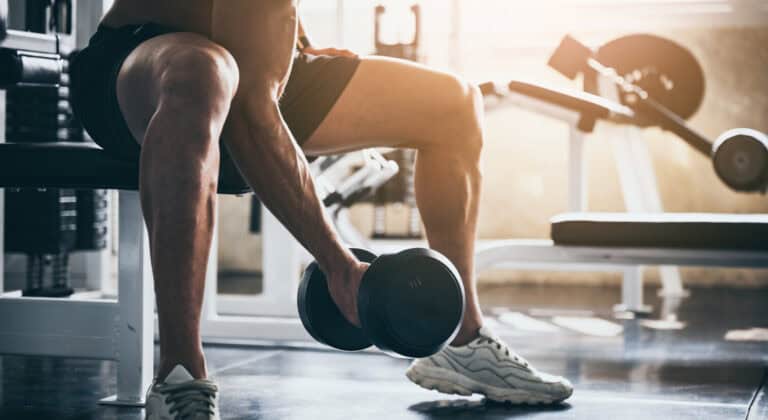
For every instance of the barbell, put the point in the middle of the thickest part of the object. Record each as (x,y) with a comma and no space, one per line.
(663,84)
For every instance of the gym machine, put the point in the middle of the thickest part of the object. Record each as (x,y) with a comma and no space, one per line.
(643,80)
(401,189)
(662,84)
(47,225)
(630,83)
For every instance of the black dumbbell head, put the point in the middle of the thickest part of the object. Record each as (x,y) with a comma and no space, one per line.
(320,315)
(411,303)
(740,157)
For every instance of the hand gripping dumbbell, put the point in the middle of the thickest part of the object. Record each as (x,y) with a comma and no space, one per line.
(410,303)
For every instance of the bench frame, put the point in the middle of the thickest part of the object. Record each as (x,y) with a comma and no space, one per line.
(640,193)
(86,325)
(94,327)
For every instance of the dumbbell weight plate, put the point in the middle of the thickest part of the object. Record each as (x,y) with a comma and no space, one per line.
(411,303)
(320,315)
(740,157)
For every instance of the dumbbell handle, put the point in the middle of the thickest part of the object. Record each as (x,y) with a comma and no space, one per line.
(640,101)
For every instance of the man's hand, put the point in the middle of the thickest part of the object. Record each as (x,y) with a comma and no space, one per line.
(343,288)
(329,51)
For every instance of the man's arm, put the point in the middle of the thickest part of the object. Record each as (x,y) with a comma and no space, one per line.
(261,36)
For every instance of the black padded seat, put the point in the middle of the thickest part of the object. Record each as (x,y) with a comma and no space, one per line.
(586,104)
(662,230)
(83,166)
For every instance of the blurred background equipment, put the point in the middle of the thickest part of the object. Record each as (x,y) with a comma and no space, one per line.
(47,225)
(663,68)
(664,85)
(401,189)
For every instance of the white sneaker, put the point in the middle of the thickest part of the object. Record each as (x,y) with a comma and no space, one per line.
(486,366)
(181,396)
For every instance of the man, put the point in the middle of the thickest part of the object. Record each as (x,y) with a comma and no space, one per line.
(168,80)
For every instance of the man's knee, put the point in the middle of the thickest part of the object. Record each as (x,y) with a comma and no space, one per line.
(199,79)
(459,120)
(195,87)
(473,114)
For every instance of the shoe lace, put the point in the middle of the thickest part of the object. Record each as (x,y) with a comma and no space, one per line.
(502,346)
(190,398)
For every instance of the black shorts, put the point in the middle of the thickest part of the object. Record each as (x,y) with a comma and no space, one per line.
(315,84)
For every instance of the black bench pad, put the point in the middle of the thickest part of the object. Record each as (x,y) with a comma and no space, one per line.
(84,166)
(662,230)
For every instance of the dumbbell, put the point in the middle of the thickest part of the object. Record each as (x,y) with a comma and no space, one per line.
(410,304)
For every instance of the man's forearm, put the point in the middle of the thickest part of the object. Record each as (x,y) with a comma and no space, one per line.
(256,134)
(283,182)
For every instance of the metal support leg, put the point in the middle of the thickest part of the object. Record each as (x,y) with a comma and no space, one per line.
(2,240)
(2,199)
(639,187)
(2,269)
(97,269)
(136,316)
(671,283)
(210,310)
(632,292)
(281,263)
(577,172)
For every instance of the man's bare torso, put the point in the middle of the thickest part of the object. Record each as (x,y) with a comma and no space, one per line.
(185,15)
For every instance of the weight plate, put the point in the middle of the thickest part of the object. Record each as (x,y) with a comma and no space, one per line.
(665,69)
(740,158)
(411,303)
(320,315)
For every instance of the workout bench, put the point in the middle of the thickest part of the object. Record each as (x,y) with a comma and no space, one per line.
(645,235)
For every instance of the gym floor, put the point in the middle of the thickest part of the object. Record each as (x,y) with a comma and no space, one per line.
(663,367)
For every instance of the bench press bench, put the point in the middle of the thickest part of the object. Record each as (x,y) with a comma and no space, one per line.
(645,234)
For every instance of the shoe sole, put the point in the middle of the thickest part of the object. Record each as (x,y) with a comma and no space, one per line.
(450,382)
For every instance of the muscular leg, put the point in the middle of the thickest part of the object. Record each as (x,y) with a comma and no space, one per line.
(394,103)
(174,92)
(399,104)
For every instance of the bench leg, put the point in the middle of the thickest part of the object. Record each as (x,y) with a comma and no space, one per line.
(2,240)
(136,320)
(2,271)
(671,283)
(632,292)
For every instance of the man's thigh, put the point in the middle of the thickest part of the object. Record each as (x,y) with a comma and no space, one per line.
(261,36)
(389,103)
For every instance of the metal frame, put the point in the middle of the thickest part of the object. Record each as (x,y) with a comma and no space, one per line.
(639,189)
(86,324)
(82,326)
